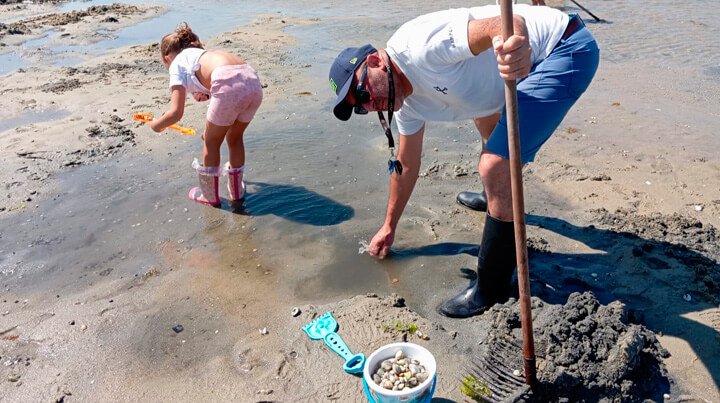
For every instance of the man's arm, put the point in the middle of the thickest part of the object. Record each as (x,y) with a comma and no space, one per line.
(401,187)
(514,55)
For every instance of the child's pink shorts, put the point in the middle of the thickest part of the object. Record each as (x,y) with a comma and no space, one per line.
(236,94)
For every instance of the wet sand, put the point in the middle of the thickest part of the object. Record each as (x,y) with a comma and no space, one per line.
(116,287)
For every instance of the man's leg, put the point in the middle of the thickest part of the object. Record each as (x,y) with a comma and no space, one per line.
(544,98)
(472,200)
(496,259)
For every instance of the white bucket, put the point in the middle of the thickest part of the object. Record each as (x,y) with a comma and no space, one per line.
(418,394)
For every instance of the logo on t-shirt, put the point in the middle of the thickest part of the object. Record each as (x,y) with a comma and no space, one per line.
(443,90)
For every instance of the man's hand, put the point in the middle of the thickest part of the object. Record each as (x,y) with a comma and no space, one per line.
(513,56)
(381,242)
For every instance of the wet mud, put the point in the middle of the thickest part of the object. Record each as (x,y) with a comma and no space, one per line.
(105,139)
(102,71)
(677,240)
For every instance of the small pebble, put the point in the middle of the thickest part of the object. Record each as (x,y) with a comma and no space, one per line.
(666,396)
(295,311)
(687,297)
(83,327)
(517,372)
(264,331)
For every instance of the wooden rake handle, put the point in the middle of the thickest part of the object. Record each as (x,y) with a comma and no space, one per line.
(511,105)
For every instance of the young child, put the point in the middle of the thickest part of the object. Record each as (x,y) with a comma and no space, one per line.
(235,94)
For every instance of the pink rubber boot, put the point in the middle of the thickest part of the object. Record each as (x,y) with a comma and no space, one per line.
(236,186)
(207,192)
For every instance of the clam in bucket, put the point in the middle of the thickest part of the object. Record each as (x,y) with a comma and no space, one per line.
(421,393)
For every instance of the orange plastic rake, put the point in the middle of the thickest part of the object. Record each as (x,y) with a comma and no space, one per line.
(147,118)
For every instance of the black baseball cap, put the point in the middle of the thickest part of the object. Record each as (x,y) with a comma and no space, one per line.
(341,73)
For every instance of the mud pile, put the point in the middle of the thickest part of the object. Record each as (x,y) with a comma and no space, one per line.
(586,351)
(58,19)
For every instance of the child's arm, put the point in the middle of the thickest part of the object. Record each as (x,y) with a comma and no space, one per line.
(175,113)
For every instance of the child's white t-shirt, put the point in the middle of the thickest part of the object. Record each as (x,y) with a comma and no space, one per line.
(182,70)
(449,82)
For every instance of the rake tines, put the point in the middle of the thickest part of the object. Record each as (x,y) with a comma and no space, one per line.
(489,377)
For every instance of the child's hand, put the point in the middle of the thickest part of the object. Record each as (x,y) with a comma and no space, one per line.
(200,96)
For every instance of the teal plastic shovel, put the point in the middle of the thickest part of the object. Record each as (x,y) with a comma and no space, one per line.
(324,328)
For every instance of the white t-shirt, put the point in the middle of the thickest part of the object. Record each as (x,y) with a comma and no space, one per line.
(182,70)
(449,82)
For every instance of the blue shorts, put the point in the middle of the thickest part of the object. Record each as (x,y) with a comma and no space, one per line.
(547,93)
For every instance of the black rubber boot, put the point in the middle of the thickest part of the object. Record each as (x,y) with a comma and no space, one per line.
(472,200)
(496,265)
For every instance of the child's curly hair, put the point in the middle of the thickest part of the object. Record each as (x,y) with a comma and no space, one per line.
(182,38)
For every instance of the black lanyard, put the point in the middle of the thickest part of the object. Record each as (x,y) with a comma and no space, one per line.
(393,164)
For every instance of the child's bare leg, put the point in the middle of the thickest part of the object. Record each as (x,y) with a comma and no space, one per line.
(214,136)
(235,143)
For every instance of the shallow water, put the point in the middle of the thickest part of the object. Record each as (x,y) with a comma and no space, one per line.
(31,117)
(317,186)
(10,62)
(668,34)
